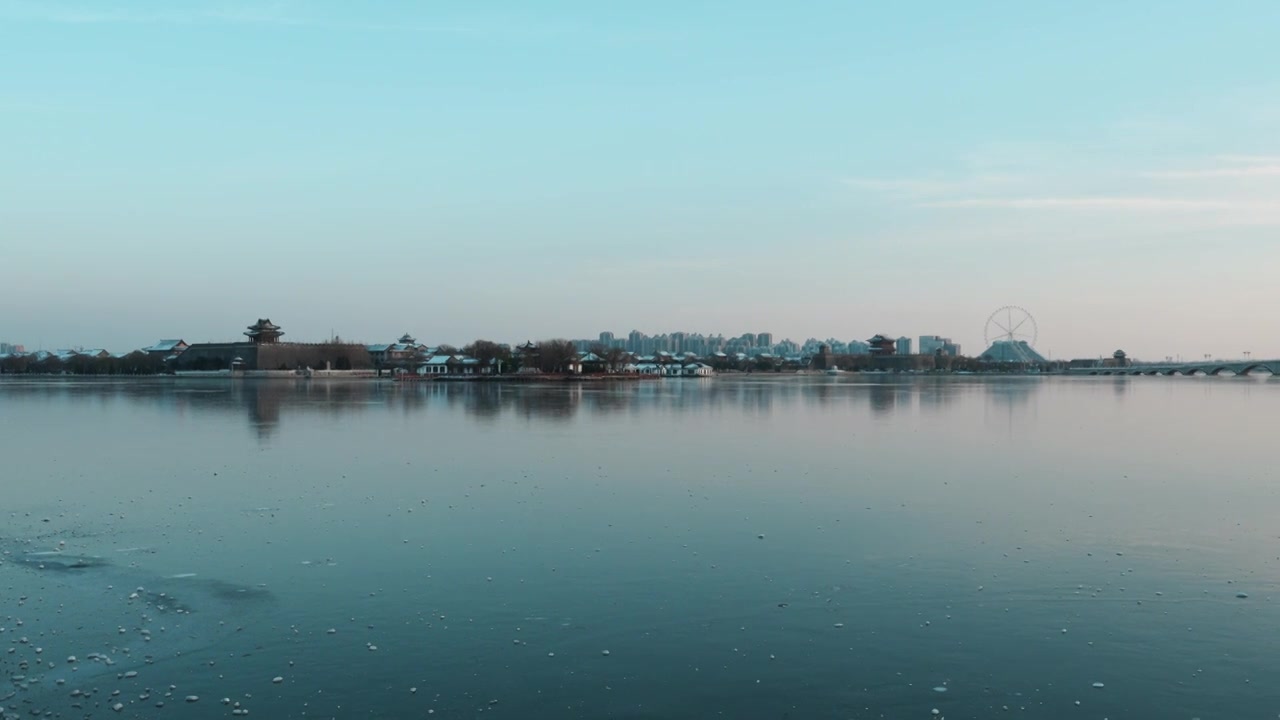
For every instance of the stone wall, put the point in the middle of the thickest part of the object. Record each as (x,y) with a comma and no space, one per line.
(216,356)
(274,356)
(291,356)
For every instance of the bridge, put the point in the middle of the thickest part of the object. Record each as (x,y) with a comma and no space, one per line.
(1204,367)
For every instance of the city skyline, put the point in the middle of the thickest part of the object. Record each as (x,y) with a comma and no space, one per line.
(515,170)
(663,341)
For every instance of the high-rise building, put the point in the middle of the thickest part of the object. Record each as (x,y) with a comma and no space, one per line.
(904,346)
(931,344)
(606,339)
(764,339)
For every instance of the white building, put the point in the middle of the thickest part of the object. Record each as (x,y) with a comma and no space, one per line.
(698,370)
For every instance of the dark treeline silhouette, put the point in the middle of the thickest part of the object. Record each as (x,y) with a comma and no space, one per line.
(135,363)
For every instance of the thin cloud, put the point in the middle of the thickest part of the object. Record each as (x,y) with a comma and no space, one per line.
(271,15)
(102,15)
(924,187)
(1094,202)
(1228,166)
(1249,159)
(1243,171)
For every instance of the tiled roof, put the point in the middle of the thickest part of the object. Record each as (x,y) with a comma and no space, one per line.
(164,345)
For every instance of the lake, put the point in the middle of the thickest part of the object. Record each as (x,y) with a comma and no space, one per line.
(739,547)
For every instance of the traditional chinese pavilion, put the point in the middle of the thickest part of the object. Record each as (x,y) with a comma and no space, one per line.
(264,332)
(881,345)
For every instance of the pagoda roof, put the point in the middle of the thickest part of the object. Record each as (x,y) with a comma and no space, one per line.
(264,328)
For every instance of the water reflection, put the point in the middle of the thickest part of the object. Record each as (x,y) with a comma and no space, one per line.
(266,405)
(736,544)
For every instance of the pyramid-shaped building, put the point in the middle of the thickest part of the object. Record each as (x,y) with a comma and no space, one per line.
(1012,351)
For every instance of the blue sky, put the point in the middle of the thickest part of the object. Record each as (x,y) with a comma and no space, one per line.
(527,170)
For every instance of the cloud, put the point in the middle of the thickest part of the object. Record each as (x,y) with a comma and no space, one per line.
(1093,202)
(277,14)
(1234,166)
(58,13)
(1225,190)
(932,186)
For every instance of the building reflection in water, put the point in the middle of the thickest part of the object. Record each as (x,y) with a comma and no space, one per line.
(266,405)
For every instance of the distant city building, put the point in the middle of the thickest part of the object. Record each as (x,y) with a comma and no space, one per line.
(11,349)
(904,346)
(932,344)
(764,340)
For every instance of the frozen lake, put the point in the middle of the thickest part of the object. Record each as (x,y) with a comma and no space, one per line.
(753,547)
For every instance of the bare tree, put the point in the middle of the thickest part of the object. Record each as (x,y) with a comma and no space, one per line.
(615,358)
(555,355)
(489,353)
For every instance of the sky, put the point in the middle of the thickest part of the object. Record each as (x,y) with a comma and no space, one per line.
(515,171)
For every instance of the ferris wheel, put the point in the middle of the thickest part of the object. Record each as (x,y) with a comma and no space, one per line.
(1010,324)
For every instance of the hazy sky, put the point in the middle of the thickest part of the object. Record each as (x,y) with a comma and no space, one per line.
(535,169)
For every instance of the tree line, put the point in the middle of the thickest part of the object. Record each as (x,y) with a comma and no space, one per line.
(135,363)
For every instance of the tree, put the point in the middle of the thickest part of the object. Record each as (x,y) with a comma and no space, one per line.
(612,357)
(555,355)
(489,352)
(615,358)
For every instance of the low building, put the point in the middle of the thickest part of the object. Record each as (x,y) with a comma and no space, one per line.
(166,348)
(592,363)
(404,352)
(698,370)
(455,365)
(1118,359)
